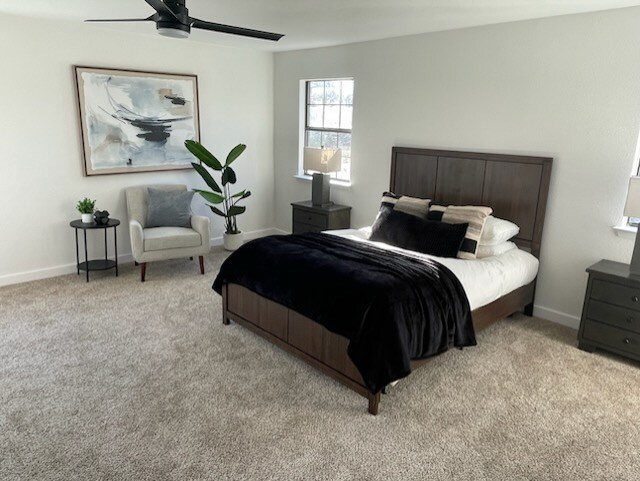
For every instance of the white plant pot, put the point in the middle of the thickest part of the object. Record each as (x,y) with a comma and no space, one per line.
(232,242)
(87,218)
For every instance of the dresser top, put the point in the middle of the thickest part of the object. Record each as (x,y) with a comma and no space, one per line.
(611,268)
(306,204)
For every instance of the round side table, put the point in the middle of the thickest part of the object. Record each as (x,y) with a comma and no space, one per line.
(96,264)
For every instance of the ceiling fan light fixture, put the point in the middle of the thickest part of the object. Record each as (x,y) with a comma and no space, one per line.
(173,32)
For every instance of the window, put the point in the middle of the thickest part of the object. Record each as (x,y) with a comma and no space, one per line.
(328,114)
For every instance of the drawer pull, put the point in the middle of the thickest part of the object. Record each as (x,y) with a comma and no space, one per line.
(634,298)
(627,340)
(629,320)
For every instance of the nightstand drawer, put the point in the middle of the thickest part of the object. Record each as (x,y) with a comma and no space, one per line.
(311,218)
(616,294)
(300,228)
(614,315)
(612,337)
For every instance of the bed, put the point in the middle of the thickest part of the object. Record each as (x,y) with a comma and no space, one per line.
(516,187)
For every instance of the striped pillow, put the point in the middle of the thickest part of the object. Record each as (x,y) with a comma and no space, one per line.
(475,216)
(403,203)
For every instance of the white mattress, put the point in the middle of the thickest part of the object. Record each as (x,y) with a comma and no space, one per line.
(484,280)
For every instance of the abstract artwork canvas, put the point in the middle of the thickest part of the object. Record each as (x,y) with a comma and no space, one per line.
(136,121)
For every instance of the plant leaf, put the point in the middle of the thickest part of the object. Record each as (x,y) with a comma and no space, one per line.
(228,176)
(215,210)
(203,155)
(210,196)
(234,154)
(236,210)
(206,176)
(239,194)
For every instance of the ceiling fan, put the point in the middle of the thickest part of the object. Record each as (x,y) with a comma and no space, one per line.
(172,20)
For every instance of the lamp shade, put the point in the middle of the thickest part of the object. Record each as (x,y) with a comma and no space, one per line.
(322,160)
(632,207)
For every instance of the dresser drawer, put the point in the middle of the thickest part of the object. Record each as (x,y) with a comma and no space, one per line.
(614,315)
(616,294)
(311,218)
(612,337)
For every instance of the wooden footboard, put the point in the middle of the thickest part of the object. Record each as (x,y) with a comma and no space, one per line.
(325,350)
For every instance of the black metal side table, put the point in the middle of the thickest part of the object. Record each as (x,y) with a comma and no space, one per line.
(96,264)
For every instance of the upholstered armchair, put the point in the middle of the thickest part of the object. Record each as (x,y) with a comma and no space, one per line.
(150,244)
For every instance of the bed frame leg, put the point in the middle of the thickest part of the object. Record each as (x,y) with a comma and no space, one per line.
(374,403)
(528,310)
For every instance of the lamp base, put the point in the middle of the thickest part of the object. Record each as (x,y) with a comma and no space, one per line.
(321,190)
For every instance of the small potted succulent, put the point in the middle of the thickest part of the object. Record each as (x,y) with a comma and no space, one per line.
(86,207)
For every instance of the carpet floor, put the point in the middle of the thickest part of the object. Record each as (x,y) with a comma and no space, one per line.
(119,380)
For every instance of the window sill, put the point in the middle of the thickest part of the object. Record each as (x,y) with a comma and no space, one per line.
(334,183)
(625,231)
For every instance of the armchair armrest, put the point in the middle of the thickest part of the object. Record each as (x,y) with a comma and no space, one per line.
(200,224)
(137,239)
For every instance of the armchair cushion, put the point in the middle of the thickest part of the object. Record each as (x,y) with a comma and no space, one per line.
(161,238)
(169,208)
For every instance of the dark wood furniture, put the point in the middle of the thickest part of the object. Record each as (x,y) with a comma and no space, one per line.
(611,313)
(515,186)
(315,218)
(96,264)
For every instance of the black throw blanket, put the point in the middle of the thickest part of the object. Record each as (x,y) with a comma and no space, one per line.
(391,307)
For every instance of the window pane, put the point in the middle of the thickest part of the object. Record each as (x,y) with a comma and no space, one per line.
(345,117)
(344,143)
(332,92)
(332,116)
(316,92)
(347,92)
(314,139)
(314,116)
(329,140)
(345,172)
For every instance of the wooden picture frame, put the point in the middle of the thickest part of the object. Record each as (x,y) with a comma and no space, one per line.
(136,121)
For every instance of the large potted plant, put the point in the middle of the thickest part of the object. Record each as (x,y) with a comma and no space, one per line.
(221,196)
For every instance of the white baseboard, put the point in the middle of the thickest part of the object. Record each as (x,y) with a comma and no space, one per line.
(65,269)
(47,272)
(254,234)
(557,316)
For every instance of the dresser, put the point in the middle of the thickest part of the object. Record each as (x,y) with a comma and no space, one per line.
(314,218)
(611,313)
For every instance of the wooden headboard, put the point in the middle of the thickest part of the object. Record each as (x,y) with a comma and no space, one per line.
(515,186)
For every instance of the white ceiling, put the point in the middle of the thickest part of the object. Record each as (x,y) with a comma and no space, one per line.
(316,23)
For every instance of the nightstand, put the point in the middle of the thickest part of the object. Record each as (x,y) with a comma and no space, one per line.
(314,218)
(611,313)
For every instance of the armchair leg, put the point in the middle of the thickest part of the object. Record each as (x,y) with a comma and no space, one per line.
(201,258)
(143,270)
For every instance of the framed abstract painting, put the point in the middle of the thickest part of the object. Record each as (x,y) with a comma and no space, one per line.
(136,121)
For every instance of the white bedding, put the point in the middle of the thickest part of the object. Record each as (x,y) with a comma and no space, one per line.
(484,280)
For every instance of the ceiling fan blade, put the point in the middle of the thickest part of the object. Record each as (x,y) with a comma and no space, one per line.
(245,32)
(122,19)
(160,7)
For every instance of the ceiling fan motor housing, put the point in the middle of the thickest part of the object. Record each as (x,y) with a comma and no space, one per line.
(181,12)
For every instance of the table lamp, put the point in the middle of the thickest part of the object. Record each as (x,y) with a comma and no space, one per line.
(632,209)
(322,161)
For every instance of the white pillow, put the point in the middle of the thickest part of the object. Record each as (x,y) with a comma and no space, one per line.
(496,231)
(496,250)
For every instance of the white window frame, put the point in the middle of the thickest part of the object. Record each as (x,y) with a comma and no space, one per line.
(302,130)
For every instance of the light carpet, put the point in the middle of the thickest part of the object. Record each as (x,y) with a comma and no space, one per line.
(122,380)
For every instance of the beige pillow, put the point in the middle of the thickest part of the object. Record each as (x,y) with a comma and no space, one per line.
(475,216)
